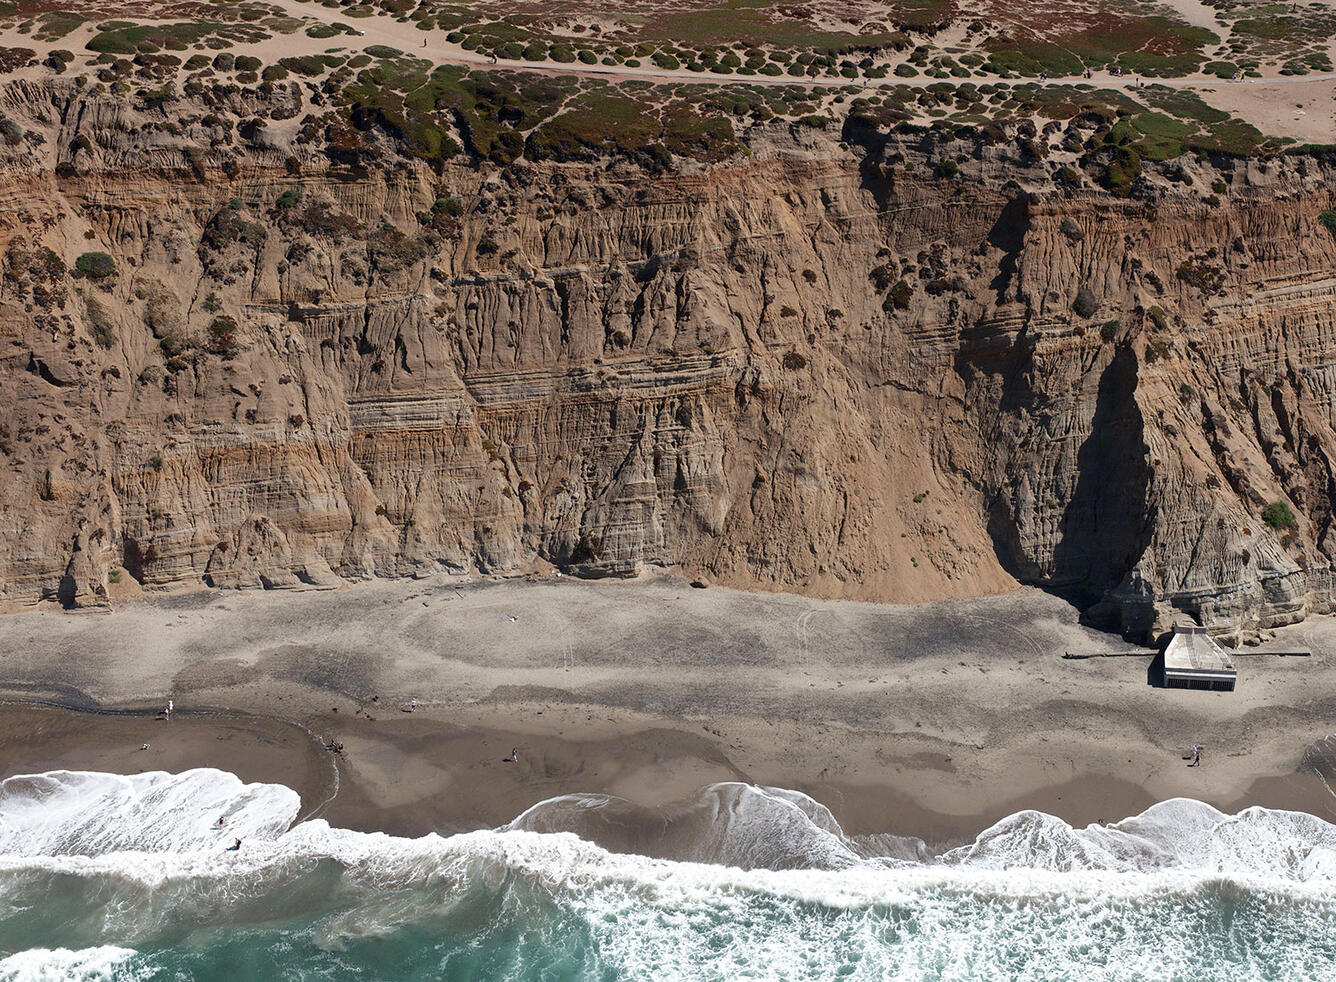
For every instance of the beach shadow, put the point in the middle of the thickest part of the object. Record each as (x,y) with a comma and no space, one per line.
(1155,672)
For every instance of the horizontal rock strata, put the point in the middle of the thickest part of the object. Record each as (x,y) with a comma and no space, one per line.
(822,366)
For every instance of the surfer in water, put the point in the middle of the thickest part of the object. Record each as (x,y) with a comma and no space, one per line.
(235,846)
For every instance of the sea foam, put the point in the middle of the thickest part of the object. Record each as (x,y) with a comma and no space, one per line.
(773,890)
(100,964)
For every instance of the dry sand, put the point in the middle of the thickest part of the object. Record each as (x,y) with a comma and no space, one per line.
(933,720)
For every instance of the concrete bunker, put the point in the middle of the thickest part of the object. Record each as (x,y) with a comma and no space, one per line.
(1193,660)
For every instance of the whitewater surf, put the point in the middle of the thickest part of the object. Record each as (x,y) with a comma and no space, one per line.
(111,877)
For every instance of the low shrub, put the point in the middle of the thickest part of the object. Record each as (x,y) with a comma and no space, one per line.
(223,336)
(449,206)
(1278,515)
(901,294)
(95,265)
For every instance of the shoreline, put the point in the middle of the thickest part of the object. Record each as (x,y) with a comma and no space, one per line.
(423,775)
(931,721)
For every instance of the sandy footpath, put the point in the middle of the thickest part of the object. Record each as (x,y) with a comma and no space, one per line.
(932,720)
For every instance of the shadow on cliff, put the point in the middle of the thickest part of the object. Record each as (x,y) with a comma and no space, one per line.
(1105,527)
(1008,234)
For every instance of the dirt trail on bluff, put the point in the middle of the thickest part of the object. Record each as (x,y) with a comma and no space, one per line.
(1301,108)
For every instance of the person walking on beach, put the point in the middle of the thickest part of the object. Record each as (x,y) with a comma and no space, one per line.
(1196,756)
(513,758)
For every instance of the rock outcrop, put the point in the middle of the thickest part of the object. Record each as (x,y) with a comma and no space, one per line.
(822,366)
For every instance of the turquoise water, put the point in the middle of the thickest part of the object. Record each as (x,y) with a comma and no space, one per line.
(123,878)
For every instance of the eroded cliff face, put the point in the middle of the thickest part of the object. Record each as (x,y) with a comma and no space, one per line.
(818,367)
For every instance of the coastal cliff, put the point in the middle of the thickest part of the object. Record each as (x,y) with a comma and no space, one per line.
(242,346)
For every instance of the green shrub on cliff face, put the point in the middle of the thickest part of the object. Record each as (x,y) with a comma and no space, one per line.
(1279,516)
(1205,276)
(1328,220)
(95,265)
(451,207)
(228,227)
(900,295)
(223,336)
(1122,171)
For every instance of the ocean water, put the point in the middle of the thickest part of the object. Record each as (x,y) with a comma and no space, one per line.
(109,878)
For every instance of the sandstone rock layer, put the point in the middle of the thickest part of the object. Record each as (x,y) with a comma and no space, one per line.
(817,367)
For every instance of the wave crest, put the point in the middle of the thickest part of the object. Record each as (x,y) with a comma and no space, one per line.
(771,887)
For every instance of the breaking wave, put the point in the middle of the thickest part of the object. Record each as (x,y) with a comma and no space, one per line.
(108,877)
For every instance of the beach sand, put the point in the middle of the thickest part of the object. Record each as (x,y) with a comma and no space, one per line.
(932,721)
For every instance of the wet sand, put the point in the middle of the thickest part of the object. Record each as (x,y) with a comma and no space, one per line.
(932,721)
(421,774)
